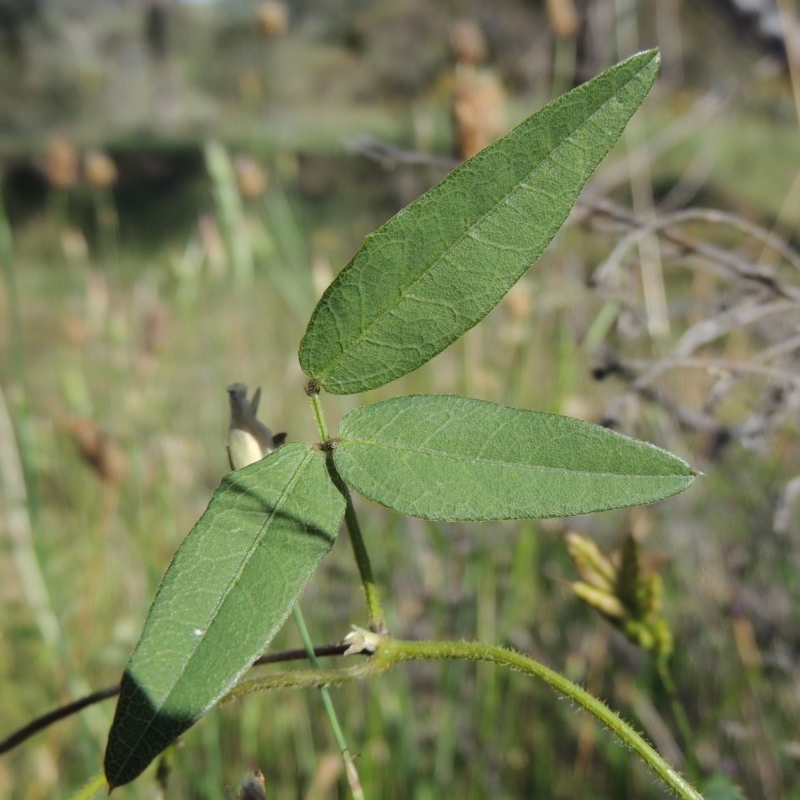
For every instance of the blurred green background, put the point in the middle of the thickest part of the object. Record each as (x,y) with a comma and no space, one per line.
(180,182)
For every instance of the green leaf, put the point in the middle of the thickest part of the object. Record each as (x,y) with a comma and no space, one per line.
(454,458)
(440,265)
(226,593)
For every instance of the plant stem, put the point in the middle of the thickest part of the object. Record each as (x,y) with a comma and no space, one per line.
(24,426)
(231,216)
(18,474)
(679,714)
(394,651)
(319,416)
(349,765)
(91,788)
(375,618)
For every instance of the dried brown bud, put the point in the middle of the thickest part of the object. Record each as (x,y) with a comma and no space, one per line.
(273,18)
(479,107)
(468,42)
(563,18)
(101,452)
(250,177)
(61,161)
(99,169)
(254,787)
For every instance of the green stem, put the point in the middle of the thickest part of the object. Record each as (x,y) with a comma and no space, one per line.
(91,788)
(375,618)
(563,66)
(18,473)
(316,407)
(24,421)
(350,768)
(394,651)
(107,221)
(679,714)
(390,652)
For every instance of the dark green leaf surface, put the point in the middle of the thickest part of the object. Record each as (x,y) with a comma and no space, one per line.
(441,264)
(454,458)
(228,590)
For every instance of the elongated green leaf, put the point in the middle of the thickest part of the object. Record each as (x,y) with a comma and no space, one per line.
(440,265)
(454,458)
(228,590)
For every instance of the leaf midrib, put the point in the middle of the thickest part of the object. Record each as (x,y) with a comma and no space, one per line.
(496,462)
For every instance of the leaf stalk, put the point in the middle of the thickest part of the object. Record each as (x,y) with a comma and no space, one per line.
(375,618)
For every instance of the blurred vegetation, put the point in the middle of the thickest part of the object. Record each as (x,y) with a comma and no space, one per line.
(181,181)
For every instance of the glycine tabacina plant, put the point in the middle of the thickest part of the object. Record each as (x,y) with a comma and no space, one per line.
(417,284)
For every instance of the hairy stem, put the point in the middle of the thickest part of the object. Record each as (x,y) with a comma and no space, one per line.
(391,652)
